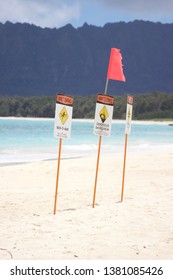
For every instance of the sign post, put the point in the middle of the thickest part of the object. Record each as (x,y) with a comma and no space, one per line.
(104,105)
(127,132)
(102,126)
(62,129)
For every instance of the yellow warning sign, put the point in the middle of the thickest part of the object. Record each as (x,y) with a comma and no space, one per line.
(63,115)
(129,114)
(104,114)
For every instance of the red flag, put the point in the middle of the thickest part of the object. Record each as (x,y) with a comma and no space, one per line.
(115,68)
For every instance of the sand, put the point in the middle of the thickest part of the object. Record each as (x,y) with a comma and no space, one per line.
(141,227)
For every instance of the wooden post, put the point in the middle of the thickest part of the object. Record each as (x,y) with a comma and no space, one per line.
(57,176)
(124,166)
(97,168)
(98,155)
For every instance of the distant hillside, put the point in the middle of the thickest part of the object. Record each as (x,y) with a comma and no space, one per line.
(36,61)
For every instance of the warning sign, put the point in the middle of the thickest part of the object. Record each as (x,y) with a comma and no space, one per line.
(63,116)
(103,115)
(129,114)
(130,99)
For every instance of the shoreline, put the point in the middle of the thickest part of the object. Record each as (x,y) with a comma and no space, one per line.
(145,122)
(40,160)
(116,152)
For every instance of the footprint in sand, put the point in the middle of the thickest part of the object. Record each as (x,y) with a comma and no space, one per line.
(5,254)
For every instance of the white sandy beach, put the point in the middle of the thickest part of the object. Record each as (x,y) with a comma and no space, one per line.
(139,228)
(90,120)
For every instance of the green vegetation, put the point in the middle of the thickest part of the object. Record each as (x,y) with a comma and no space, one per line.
(155,106)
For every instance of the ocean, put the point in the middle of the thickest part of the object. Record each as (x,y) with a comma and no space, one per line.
(24,140)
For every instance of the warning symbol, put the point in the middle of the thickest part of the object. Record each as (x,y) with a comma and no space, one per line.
(104,114)
(63,115)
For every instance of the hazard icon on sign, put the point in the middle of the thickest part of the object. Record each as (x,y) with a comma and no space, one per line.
(104,114)
(63,115)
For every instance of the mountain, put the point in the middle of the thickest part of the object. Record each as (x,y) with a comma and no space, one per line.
(36,61)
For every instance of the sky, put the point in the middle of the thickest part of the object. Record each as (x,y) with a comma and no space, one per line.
(58,13)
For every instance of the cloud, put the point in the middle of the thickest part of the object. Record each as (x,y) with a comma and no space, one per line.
(52,13)
(56,13)
(140,7)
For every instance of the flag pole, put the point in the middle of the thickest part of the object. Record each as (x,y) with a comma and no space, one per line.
(98,155)
(57,176)
(124,166)
(106,86)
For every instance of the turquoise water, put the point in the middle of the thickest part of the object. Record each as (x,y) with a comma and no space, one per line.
(30,140)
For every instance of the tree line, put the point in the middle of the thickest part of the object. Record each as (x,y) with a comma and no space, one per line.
(155,105)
